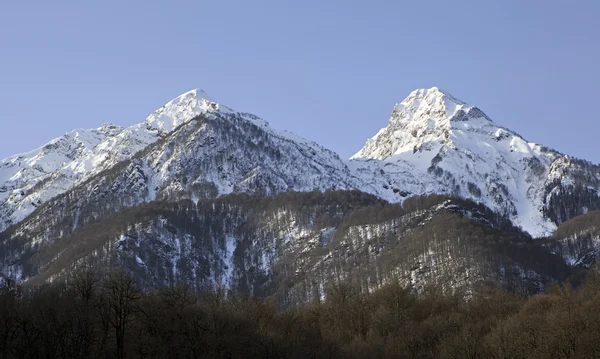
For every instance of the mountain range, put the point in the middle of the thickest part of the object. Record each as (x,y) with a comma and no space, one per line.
(203,194)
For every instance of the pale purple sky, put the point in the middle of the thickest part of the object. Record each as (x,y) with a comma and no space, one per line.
(329,71)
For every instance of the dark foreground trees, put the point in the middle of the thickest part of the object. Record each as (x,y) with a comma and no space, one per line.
(110,317)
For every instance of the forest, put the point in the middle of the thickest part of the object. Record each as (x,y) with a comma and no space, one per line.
(94,315)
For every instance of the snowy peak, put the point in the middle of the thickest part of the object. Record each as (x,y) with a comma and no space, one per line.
(435,143)
(426,119)
(31,179)
(182,109)
(431,100)
(27,180)
(434,105)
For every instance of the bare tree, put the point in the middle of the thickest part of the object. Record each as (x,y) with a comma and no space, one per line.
(85,283)
(119,298)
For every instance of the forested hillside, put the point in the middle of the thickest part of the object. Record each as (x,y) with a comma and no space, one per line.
(294,245)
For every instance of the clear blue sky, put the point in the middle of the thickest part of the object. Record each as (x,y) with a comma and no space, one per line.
(329,71)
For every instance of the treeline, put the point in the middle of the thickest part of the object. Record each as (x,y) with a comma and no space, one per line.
(89,317)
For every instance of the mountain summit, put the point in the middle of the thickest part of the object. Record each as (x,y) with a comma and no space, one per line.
(182,109)
(30,179)
(435,143)
(426,117)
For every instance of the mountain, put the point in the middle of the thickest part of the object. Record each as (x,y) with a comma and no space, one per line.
(27,180)
(165,199)
(435,143)
(197,149)
(31,179)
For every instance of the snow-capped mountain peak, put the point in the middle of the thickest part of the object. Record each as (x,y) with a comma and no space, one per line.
(430,99)
(435,143)
(27,180)
(182,109)
(426,118)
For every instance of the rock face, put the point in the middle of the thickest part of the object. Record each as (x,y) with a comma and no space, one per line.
(64,205)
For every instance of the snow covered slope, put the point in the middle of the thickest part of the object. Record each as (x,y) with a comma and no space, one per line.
(30,179)
(435,143)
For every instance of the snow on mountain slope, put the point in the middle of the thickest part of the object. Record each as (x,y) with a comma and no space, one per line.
(435,143)
(30,179)
(54,163)
(217,151)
